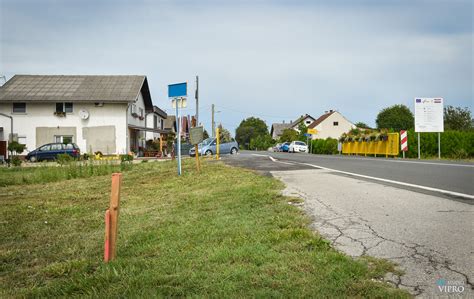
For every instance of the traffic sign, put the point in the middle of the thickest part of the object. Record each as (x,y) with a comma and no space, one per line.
(312,131)
(307,134)
(196,135)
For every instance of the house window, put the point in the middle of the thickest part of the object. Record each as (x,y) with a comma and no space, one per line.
(141,112)
(66,139)
(64,107)
(155,121)
(19,107)
(133,110)
(336,123)
(22,140)
(308,122)
(162,124)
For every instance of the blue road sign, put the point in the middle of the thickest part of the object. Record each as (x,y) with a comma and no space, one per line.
(177,90)
(307,135)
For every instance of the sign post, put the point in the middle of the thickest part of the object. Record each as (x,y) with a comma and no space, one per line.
(196,135)
(177,93)
(429,117)
(312,132)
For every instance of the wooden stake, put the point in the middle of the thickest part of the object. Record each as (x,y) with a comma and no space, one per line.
(107,237)
(114,212)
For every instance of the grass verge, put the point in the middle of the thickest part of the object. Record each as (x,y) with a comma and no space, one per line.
(226,232)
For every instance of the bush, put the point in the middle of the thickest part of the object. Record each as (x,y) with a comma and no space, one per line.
(64,159)
(454,144)
(126,158)
(16,161)
(324,146)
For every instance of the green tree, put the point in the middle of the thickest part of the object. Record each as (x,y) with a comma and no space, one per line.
(362,125)
(205,134)
(288,135)
(457,118)
(249,129)
(396,117)
(303,130)
(224,134)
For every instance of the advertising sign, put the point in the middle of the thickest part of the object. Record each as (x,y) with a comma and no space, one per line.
(429,115)
(312,131)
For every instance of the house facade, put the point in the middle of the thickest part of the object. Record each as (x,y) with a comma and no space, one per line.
(155,120)
(98,113)
(278,128)
(331,124)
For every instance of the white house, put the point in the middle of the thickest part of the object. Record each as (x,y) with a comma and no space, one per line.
(278,128)
(155,120)
(331,124)
(98,113)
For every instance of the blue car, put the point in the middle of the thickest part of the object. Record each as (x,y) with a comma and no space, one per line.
(208,147)
(285,147)
(51,151)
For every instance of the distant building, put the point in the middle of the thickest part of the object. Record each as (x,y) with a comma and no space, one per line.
(278,128)
(331,124)
(98,113)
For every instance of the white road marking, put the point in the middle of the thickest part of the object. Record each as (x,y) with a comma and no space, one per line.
(273,159)
(452,193)
(395,161)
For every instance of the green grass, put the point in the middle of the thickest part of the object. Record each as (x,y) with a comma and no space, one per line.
(45,173)
(226,232)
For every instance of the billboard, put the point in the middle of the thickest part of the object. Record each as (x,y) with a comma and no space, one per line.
(429,115)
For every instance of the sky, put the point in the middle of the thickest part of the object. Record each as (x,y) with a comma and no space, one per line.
(275,60)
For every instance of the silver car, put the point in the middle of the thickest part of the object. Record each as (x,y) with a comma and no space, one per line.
(209,147)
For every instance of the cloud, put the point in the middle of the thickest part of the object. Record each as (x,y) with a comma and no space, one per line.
(272,58)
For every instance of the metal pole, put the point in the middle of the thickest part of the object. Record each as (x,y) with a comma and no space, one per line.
(197,101)
(439,145)
(213,124)
(419,154)
(178,127)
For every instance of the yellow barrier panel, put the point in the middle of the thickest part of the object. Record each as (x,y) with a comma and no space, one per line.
(389,147)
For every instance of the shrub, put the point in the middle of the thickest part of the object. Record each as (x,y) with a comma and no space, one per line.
(324,146)
(16,161)
(64,159)
(126,158)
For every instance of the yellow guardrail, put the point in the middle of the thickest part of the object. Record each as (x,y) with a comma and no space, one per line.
(389,147)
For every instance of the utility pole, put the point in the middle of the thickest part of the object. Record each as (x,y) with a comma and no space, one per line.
(213,123)
(197,100)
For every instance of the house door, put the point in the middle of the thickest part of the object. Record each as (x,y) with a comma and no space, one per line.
(134,141)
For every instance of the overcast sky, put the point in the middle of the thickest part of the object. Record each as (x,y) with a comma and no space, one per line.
(272,59)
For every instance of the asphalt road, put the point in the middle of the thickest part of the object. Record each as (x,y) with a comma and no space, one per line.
(451,176)
(428,235)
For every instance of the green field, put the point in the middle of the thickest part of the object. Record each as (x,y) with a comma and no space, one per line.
(226,232)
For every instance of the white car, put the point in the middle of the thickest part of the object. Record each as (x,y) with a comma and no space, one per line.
(298,146)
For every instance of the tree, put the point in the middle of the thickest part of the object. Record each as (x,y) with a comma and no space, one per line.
(224,134)
(457,118)
(205,135)
(303,129)
(249,129)
(396,117)
(261,142)
(362,125)
(288,135)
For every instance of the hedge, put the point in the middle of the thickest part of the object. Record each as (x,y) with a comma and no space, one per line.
(324,146)
(454,144)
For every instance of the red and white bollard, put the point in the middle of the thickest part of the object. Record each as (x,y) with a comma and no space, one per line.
(403,142)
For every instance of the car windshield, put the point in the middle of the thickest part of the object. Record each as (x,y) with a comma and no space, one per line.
(207,141)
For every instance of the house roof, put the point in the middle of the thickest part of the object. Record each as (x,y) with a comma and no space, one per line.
(170,123)
(320,119)
(300,119)
(76,88)
(278,128)
(159,111)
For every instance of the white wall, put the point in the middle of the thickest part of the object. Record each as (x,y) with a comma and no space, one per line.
(42,115)
(150,124)
(327,129)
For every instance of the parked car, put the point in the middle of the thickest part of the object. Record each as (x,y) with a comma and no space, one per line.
(285,147)
(298,146)
(276,147)
(51,151)
(208,147)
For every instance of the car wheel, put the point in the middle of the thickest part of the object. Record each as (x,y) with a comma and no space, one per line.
(233,151)
(33,159)
(208,153)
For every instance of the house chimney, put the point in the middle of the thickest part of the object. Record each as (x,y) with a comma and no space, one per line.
(331,111)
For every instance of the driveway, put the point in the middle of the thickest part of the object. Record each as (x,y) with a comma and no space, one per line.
(428,234)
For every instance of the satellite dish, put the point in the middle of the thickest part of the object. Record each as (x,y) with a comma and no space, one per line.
(83,114)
